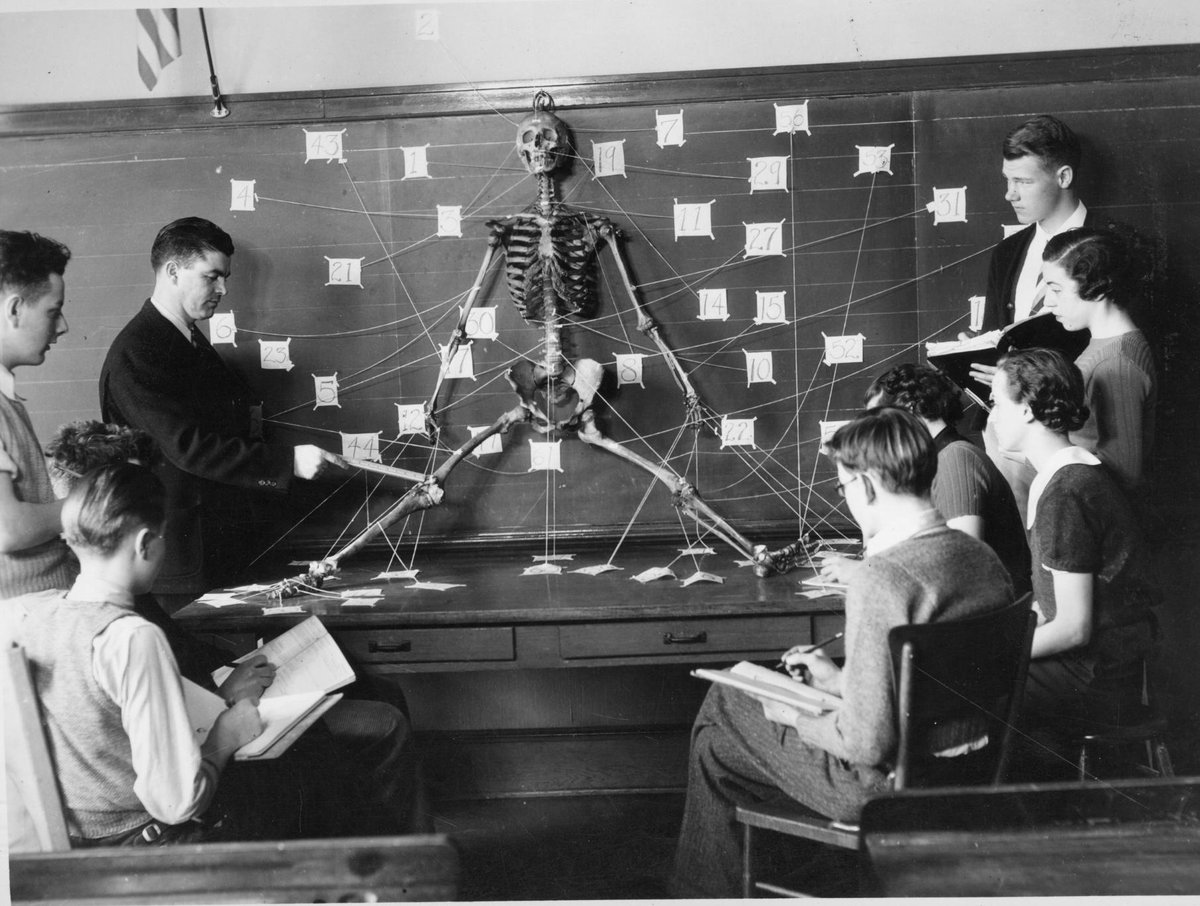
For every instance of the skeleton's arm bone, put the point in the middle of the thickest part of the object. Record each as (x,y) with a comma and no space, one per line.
(460,330)
(649,327)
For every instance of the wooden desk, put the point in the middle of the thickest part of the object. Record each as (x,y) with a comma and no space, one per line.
(1130,837)
(499,619)
(494,670)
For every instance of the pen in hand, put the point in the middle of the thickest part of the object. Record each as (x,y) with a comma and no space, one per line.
(782,665)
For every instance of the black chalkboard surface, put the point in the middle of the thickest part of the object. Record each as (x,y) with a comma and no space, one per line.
(849,215)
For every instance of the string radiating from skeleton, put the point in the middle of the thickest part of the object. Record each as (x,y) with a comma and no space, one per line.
(550,253)
(685,283)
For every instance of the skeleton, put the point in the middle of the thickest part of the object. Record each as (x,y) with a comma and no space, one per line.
(550,252)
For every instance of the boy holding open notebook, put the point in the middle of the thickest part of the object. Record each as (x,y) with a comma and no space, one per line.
(125,750)
(746,749)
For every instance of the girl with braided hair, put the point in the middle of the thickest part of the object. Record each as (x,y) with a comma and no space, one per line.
(1091,577)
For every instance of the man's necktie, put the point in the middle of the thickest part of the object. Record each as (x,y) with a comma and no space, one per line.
(1039,296)
(196,337)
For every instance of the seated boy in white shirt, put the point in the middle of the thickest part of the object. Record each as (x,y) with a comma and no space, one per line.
(128,762)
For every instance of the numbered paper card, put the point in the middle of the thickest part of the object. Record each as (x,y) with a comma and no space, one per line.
(737,432)
(828,429)
(344,272)
(410,418)
(653,574)
(845,349)
(629,368)
(760,367)
(948,205)
(426,26)
(792,118)
(326,146)
(459,365)
(669,127)
(361,446)
(694,219)
(416,162)
(768,174)
(764,239)
(545,456)
(241,195)
(449,220)
(222,329)
(714,305)
(772,307)
(275,355)
(874,159)
(978,304)
(608,158)
(325,390)
(491,445)
(481,323)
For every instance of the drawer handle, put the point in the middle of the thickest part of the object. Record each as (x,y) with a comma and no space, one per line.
(380,648)
(697,638)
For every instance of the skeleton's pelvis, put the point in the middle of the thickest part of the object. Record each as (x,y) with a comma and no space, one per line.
(561,400)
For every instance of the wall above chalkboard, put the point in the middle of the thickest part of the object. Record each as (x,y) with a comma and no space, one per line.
(790,232)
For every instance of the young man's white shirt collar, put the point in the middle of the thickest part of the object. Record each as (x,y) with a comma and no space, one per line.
(175,318)
(8,384)
(901,530)
(1027,282)
(1064,457)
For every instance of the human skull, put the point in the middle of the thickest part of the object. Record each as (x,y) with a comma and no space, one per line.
(541,139)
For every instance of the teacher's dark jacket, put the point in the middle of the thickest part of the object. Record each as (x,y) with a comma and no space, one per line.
(199,413)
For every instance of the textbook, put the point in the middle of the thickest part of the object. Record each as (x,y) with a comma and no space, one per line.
(284,717)
(954,357)
(306,659)
(763,682)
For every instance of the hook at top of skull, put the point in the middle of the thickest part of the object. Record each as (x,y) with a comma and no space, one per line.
(542,138)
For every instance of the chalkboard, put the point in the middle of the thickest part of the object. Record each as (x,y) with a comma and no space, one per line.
(879,188)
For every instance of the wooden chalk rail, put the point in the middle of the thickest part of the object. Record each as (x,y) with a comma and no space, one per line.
(353,869)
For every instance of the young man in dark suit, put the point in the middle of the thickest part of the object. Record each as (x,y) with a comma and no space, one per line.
(1041,163)
(162,376)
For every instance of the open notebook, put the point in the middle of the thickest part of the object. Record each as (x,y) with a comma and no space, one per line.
(766,683)
(308,666)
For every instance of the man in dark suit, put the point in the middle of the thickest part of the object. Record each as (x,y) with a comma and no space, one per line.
(1041,161)
(161,375)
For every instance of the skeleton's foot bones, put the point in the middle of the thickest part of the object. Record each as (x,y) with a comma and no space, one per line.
(785,559)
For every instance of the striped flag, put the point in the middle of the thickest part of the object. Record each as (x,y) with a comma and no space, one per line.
(157,42)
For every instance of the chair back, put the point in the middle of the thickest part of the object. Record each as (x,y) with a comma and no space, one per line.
(959,672)
(30,771)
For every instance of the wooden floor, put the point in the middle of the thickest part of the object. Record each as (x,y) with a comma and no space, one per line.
(603,847)
(596,847)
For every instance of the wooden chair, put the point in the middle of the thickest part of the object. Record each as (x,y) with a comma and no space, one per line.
(343,870)
(363,869)
(1149,732)
(30,772)
(1120,837)
(962,669)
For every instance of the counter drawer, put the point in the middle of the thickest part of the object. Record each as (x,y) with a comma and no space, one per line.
(410,646)
(685,638)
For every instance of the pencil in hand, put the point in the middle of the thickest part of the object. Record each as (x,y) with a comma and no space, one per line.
(798,649)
